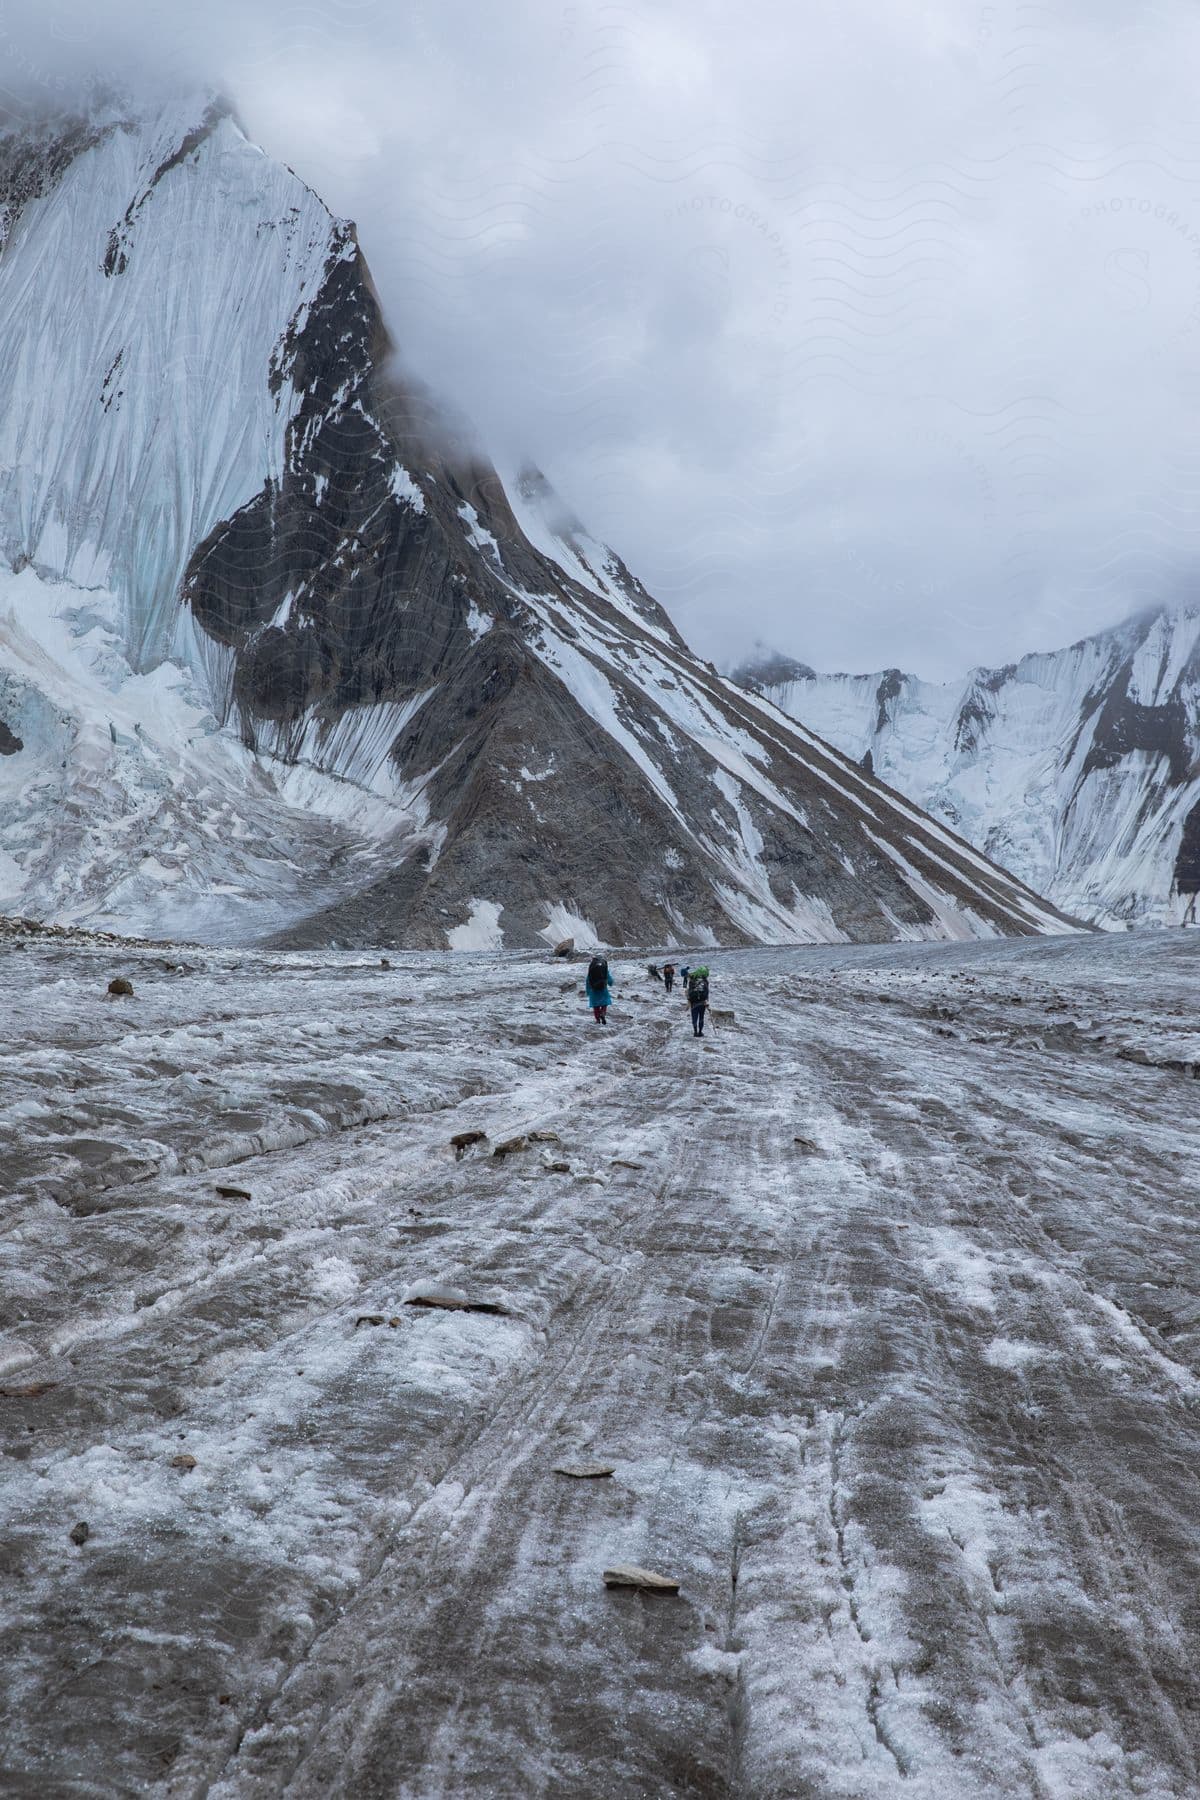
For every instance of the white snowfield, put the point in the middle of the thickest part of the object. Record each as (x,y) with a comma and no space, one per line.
(1010,759)
(139,408)
(129,808)
(882,1303)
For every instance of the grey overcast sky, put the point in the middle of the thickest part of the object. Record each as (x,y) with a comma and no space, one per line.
(867,330)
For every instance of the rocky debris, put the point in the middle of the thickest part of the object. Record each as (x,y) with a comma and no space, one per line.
(566,948)
(512,1146)
(28,1390)
(585,1471)
(368,1319)
(806,1146)
(722,1015)
(628,1575)
(385,962)
(623,1162)
(79,1534)
(1177,1065)
(556,1168)
(462,1141)
(183,1462)
(120,988)
(449,1299)
(544,1137)
(233,1193)
(14,925)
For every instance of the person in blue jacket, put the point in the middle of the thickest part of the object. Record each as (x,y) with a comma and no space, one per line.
(599,995)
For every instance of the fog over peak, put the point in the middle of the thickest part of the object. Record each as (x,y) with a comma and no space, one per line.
(867,332)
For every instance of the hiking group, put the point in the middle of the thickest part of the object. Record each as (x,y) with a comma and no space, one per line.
(695,981)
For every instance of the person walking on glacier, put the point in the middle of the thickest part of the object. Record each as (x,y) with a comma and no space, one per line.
(599,995)
(668,975)
(697,993)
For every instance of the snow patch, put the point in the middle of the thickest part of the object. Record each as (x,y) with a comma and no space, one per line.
(562,923)
(481,931)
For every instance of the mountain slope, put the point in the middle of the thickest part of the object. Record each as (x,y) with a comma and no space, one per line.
(1078,769)
(493,732)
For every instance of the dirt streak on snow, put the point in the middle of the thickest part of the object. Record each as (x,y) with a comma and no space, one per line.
(882,1301)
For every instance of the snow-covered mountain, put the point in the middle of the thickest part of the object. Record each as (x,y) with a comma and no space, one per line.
(1078,769)
(275,656)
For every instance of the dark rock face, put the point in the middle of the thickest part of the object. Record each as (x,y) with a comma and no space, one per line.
(1125,725)
(890,688)
(1187,863)
(10,743)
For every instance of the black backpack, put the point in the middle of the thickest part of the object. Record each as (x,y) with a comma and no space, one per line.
(698,990)
(597,975)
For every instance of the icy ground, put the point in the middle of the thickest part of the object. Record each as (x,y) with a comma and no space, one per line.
(883,1303)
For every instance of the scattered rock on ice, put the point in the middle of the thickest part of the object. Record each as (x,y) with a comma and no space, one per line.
(120,988)
(463,1140)
(723,1015)
(183,1462)
(585,1471)
(451,1299)
(628,1575)
(368,1319)
(80,1533)
(566,948)
(233,1193)
(511,1146)
(544,1137)
(28,1390)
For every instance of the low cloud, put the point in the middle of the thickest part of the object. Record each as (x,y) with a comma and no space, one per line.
(870,332)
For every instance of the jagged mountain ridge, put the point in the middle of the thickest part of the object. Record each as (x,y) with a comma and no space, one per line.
(1078,769)
(223,492)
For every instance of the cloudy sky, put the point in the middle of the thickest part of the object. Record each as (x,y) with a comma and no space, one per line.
(867,330)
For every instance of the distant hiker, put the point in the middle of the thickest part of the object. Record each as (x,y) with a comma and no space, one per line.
(683,974)
(654,972)
(697,993)
(598,996)
(668,974)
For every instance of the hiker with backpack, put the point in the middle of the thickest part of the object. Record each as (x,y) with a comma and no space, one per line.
(668,975)
(697,993)
(599,997)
